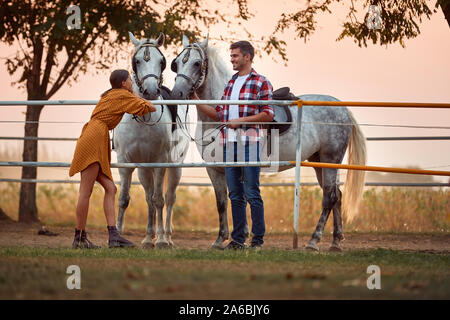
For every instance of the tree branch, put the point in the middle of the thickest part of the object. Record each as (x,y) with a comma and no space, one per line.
(66,72)
(49,63)
(445,6)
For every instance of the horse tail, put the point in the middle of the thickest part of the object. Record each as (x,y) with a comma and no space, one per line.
(354,184)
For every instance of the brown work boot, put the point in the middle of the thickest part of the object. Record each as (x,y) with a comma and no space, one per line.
(76,239)
(116,241)
(85,241)
(80,241)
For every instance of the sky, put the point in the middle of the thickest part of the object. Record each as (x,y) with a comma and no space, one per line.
(420,72)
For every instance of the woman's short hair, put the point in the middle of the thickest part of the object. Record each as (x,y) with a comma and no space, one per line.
(117,77)
(245,47)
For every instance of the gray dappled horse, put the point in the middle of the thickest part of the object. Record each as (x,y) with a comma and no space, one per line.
(327,132)
(150,139)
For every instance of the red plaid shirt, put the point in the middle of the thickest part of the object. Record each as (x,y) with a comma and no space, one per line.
(255,87)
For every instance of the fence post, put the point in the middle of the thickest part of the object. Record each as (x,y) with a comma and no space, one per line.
(298,160)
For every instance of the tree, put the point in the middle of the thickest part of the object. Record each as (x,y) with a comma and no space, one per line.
(52,55)
(400,20)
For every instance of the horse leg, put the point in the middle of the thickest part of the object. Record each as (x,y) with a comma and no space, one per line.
(330,197)
(220,189)
(158,200)
(124,196)
(337,219)
(146,178)
(174,176)
(315,158)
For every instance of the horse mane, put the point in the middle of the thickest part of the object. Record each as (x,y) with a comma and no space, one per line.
(217,68)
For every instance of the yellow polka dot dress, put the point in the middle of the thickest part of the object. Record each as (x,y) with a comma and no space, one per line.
(94,145)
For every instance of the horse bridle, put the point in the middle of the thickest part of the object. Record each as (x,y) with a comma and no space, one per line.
(139,82)
(204,67)
(194,86)
(159,78)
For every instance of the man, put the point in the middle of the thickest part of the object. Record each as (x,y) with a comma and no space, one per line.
(242,141)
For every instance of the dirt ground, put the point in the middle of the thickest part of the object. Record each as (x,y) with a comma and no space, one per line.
(18,234)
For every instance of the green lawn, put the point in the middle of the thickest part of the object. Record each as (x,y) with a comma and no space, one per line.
(38,273)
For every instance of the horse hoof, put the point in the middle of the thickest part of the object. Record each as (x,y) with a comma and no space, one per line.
(312,248)
(162,245)
(335,248)
(148,245)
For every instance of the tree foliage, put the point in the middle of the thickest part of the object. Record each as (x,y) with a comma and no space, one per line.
(400,20)
(50,54)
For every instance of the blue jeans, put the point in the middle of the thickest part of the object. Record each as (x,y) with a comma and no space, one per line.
(243,186)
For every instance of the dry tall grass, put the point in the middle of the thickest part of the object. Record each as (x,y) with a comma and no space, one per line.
(382,209)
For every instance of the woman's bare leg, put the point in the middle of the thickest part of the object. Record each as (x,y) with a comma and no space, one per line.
(109,200)
(115,240)
(88,177)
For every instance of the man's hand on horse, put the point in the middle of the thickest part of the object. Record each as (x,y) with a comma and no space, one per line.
(234,124)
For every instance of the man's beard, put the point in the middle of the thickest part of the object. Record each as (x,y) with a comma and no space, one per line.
(237,66)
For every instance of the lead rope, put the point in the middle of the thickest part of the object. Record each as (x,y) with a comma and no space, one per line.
(142,121)
(185,131)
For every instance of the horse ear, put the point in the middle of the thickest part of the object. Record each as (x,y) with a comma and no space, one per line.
(160,40)
(185,41)
(133,39)
(204,43)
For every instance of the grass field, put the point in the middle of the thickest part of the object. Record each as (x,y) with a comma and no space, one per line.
(30,273)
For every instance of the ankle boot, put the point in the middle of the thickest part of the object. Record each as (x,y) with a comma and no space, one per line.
(85,241)
(116,241)
(76,239)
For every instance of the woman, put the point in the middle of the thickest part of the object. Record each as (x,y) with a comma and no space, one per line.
(92,155)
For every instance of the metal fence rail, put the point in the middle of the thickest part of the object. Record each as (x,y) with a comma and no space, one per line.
(233,164)
(155,102)
(267,184)
(252,102)
(368,139)
(151,165)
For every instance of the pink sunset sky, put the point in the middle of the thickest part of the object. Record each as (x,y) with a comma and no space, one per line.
(420,72)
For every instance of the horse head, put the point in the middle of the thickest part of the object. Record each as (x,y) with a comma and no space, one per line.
(148,64)
(191,67)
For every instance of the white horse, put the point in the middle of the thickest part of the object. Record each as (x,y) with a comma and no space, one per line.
(150,139)
(321,142)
